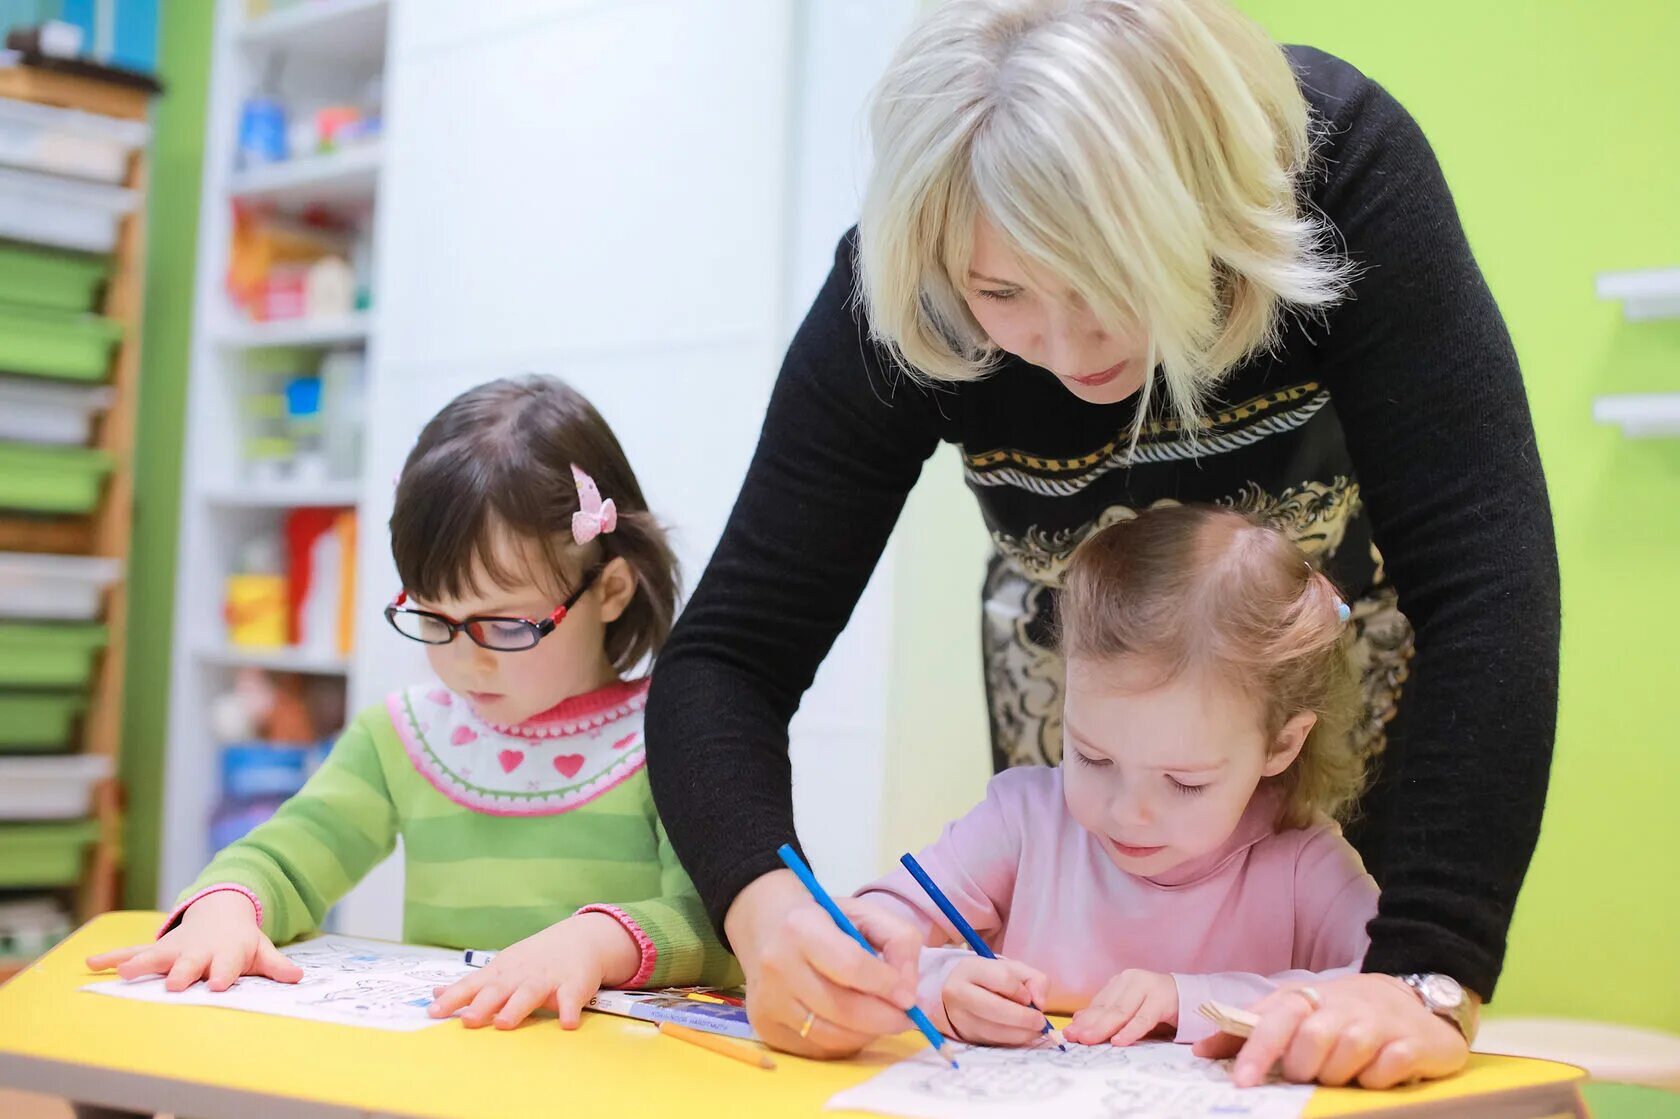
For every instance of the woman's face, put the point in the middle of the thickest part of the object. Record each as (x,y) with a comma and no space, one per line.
(1036,318)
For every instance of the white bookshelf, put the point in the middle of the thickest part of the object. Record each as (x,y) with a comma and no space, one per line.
(348,330)
(327,495)
(347,176)
(331,49)
(275,660)
(346,31)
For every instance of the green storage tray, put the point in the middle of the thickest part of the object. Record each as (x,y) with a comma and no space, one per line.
(48,655)
(38,722)
(41,278)
(48,343)
(44,854)
(51,479)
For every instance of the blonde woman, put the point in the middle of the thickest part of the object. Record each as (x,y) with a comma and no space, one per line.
(1122,253)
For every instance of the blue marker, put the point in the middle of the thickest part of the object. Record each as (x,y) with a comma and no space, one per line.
(980,946)
(917,1017)
(477,957)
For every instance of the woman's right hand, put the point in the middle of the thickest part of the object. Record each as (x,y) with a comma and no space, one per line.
(217,939)
(798,964)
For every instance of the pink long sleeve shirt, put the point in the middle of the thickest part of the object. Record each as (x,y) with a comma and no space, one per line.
(1267,907)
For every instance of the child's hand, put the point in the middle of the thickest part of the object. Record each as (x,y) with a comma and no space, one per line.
(561,968)
(1131,1005)
(218,939)
(988,1002)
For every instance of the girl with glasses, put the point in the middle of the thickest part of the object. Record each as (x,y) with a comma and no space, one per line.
(539,582)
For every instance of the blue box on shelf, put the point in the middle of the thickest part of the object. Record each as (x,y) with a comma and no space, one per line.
(262,770)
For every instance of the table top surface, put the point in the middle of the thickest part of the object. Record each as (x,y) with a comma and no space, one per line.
(57,1039)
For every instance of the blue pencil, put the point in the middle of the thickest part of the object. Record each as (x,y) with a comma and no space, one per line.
(980,946)
(917,1017)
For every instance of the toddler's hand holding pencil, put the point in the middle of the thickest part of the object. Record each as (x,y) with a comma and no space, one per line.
(991,1002)
(560,968)
(217,940)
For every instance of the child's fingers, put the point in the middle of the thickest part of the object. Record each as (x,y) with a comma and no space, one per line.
(485,1004)
(225,969)
(187,970)
(107,960)
(1096,1024)
(570,999)
(155,960)
(1147,1017)
(1093,1025)
(447,1000)
(979,1031)
(275,965)
(525,998)
(999,1009)
(1009,978)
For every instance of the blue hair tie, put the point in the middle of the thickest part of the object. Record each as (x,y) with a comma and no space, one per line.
(1342,612)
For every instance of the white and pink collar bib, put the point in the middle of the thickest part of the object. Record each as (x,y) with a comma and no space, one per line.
(551,763)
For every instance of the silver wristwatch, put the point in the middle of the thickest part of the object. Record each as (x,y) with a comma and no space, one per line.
(1445,998)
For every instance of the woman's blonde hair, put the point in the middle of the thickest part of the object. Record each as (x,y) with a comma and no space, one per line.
(1202,588)
(1149,152)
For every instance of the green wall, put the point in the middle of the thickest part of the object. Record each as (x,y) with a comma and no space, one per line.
(172,235)
(1558,124)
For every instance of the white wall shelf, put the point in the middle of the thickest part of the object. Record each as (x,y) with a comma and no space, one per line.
(276,660)
(1650,293)
(342,178)
(1643,416)
(343,30)
(349,330)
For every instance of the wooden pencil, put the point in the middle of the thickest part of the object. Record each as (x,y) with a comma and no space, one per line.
(728,1046)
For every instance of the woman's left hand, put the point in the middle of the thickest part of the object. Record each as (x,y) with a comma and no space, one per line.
(1369,1029)
(560,968)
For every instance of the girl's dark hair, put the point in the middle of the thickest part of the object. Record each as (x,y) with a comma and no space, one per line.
(498,459)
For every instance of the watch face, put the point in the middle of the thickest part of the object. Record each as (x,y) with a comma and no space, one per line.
(1442,991)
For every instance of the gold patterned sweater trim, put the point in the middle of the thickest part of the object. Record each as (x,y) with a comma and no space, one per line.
(1155,431)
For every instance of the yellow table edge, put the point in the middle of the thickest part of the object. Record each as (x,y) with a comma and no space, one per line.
(192,1060)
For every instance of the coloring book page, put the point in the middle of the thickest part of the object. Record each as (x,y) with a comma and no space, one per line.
(1151,1081)
(345,980)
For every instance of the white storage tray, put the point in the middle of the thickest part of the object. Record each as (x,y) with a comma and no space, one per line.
(34,411)
(67,213)
(50,788)
(67,141)
(54,588)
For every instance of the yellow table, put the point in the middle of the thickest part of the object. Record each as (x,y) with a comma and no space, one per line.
(197,1061)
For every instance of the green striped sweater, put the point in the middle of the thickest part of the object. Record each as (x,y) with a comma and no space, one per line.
(505,830)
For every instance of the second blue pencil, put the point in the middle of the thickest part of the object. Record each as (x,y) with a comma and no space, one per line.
(967,930)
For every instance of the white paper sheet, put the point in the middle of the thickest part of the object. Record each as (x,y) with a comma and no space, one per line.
(1151,1081)
(345,980)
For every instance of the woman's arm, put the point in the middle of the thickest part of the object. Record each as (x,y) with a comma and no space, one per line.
(1426,384)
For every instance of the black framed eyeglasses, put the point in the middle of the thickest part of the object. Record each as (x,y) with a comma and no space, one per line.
(499,635)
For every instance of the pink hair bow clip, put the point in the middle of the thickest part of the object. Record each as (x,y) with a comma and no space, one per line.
(594,517)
